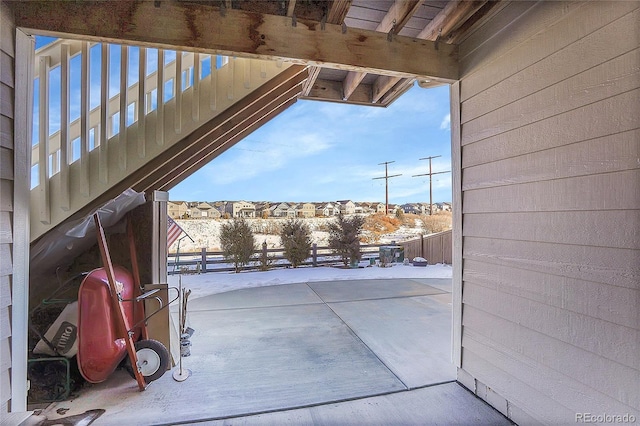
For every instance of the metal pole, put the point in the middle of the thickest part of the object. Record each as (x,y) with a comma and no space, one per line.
(386,189)
(386,178)
(430,188)
(430,174)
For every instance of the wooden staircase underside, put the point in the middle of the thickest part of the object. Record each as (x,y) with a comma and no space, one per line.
(209,140)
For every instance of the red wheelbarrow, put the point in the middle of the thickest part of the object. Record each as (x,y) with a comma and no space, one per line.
(112,321)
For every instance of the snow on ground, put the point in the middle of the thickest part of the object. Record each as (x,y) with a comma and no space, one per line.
(206,233)
(220,282)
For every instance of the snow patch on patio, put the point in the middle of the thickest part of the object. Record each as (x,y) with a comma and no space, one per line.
(219,282)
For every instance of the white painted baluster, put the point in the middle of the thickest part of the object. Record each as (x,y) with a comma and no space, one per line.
(142,77)
(213,90)
(84,121)
(247,73)
(195,105)
(65,125)
(122,135)
(160,99)
(178,93)
(104,114)
(231,71)
(44,212)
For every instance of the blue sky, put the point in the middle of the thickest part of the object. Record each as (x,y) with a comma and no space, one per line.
(314,151)
(322,151)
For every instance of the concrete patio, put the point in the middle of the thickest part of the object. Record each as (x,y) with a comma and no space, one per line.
(343,352)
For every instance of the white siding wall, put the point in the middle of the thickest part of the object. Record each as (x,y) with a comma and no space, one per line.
(15,77)
(550,135)
(7,83)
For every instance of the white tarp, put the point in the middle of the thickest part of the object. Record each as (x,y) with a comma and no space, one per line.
(63,244)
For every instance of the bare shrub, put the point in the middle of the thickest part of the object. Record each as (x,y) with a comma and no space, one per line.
(379,224)
(411,220)
(266,227)
(438,222)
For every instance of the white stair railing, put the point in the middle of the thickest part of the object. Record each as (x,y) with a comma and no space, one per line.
(94,124)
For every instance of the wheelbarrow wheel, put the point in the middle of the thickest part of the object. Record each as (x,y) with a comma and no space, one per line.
(153,359)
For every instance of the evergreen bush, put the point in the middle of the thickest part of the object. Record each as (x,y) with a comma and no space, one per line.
(295,238)
(236,239)
(344,237)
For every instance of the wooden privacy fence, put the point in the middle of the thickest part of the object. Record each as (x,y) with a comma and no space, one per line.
(436,248)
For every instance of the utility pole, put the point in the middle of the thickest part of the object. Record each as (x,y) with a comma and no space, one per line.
(430,174)
(386,178)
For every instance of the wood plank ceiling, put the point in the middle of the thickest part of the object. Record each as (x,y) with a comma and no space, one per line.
(341,66)
(441,21)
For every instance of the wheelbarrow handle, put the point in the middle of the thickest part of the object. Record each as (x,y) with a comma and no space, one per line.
(147,294)
(160,308)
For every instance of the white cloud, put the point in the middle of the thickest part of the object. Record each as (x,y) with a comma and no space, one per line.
(446,122)
(255,158)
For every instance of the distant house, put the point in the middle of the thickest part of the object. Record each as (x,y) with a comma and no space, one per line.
(364,207)
(424,208)
(220,207)
(240,209)
(213,212)
(262,210)
(326,209)
(177,209)
(204,210)
(346,206)
(293,210)
(279,210)
(446,207)
(306,210)
(411,208)
(370,208)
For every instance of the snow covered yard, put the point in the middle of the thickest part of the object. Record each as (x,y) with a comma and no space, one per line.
(206,232)
(220,282)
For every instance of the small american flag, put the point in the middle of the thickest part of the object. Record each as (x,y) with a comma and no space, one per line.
(173,232)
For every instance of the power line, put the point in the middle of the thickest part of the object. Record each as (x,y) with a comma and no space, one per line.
(430,174)
(386,178)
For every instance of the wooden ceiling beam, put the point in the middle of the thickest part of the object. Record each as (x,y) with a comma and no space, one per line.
(398,15)
(336,14)
(381,86)
(329,90)
(452,17)
(454,14)
(338,11)
(395,19)
(398,89)
(481,15)
(202,28)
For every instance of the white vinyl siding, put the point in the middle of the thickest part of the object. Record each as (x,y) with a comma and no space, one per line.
(7,84)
